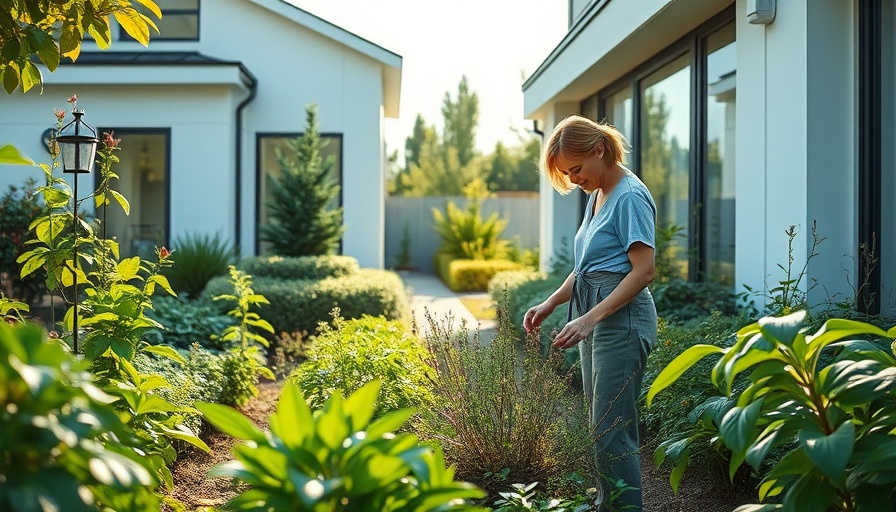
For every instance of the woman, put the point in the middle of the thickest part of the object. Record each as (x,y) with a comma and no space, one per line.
(611,313)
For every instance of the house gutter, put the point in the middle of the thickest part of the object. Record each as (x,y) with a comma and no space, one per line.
(238,174)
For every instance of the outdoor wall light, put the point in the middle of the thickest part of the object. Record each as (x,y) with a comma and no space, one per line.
(761,12)
(77,145)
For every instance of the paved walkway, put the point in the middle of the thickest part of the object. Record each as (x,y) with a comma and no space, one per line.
(429,294)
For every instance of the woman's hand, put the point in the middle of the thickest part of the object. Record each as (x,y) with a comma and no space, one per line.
(536,315)
(574,332)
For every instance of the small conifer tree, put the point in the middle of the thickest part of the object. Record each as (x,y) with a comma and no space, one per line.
(303,217)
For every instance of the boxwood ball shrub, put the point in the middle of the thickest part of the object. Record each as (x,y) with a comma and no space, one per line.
(300,305)
(350,353)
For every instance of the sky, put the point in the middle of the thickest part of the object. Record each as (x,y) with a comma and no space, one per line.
(496,44)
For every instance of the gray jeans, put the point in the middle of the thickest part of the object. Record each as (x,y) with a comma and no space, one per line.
(613,360)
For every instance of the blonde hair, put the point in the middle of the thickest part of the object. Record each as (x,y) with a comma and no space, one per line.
(576,137)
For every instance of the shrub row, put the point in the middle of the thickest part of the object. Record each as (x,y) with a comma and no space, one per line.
(310,268)
(299,305)
(462,275)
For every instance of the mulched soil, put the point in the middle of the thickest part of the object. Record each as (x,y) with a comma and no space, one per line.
(196,490)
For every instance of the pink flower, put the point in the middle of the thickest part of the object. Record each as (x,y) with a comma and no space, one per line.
(164,253)
(60,114)
(74,99)
(109,139)
(53,335)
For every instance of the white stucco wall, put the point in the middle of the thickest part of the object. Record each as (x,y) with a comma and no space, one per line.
(294,66)
(796,145)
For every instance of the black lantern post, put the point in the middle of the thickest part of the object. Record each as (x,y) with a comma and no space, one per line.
(77,146)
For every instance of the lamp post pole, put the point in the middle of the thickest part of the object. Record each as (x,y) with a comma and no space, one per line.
(77,145)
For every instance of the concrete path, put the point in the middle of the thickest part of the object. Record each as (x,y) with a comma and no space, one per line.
(429,295)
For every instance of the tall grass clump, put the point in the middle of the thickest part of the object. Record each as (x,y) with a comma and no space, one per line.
(503,412)
(197,259)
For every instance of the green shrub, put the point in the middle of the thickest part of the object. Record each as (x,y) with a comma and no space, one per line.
(474,275)
(18,207)
(299,306)
(187,322)
(678,300)
(311,268)
(197,259)
(504,411)
(350,353)
(64,446)
(510,280)
(836,421)
(337,460)
(465,234)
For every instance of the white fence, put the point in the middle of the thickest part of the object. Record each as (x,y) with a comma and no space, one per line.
(413,215)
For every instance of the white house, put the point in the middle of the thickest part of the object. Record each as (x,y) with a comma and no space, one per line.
(746,117)
(201,110)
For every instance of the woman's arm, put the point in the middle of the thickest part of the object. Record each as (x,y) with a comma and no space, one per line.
(643,270)
(536,314)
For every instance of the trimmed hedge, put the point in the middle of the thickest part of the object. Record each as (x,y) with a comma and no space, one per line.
(299,267)
(461,275)
(299,305)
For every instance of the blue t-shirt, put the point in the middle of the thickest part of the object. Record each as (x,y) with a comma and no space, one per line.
(627,216)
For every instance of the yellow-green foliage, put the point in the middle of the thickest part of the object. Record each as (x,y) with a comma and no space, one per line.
(353,352)
(474,275)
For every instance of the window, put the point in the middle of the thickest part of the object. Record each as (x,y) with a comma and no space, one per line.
(718,154)
(677,111)
(143,180)
(180,21)
(269,172)
(665,144)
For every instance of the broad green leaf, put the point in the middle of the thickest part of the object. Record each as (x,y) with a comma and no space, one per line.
(128,269)
(293,420)
(860,382)
(738,426)
(33,263)
(767,507)
(230,421)
(54,197)
(101,33)
(783,329)
(30,77)
(332,428)
(361,405)
(49,54)
(10,155)
(809,494)
(165,351)
(389,422)
(121,200)
(11,77)
(829,453)
(767,439)
(162,281)
(150,404)
(117,470)
(678,366)
(836,329)
(187,436)
(678,471)
(263,459)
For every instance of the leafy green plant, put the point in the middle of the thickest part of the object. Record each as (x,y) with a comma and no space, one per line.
(197,258)
(349,353)
(334,458)
(186,322)
(666,247)
(465,234)
(788,295)
(503,405)
(246,355)
(525,497)
(838,418)
(64,447)
(403,258)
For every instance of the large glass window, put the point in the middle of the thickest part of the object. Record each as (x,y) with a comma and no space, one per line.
(143,180)
(665,144)
(273,147)
(180,21)
(718,211)
(887,242)
(619,113)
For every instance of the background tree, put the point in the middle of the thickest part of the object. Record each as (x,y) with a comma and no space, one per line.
(52,29)
(461,120)
(304,219)
(515,168)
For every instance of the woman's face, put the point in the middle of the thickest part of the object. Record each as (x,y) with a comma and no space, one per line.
(585,173)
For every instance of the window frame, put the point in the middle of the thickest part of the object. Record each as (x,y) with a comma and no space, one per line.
(693,44)
(259,175)
(124,36)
